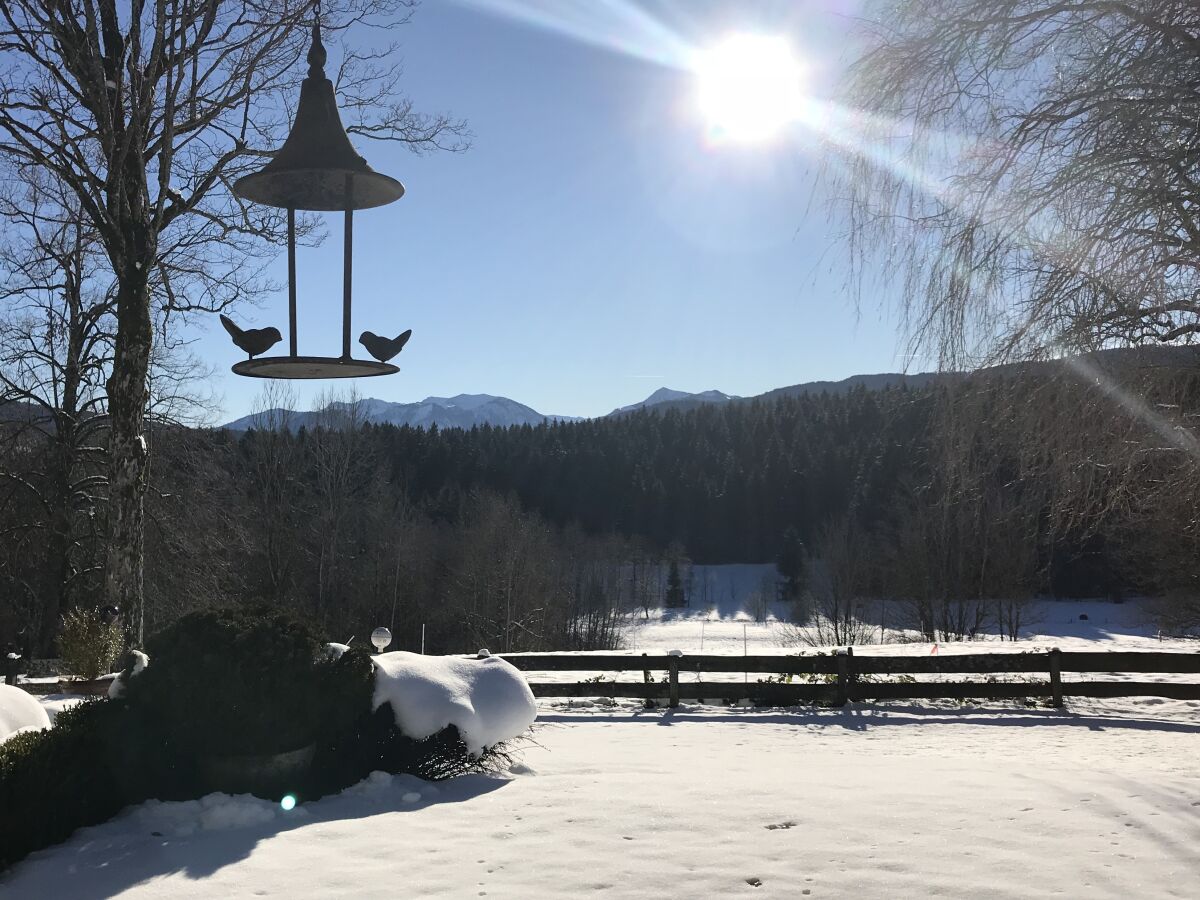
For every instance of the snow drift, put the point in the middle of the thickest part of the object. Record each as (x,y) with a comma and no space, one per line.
(19,711)
(487,700)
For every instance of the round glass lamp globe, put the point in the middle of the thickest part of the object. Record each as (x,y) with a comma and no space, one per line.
(381,637)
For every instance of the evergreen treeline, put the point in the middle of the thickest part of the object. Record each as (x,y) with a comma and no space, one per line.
(953,504)
(726,482)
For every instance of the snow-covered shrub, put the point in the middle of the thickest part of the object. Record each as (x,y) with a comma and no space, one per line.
(88,644)
(19,711)
(372,741)
(225,682)
(256,682)
(487,698)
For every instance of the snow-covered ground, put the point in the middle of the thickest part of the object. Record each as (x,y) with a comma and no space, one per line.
(899,801)
(1101,799)
(1066,624)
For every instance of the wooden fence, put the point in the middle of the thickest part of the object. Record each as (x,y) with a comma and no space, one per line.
(837,679)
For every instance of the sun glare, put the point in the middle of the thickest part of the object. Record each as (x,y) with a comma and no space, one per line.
(748,87)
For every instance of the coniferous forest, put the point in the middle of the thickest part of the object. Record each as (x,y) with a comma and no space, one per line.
(961,501)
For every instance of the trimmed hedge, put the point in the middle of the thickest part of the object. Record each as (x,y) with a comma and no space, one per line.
(52,782)
(246,681)
(242,681)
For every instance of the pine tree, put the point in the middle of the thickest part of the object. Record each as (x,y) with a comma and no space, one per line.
(675,595)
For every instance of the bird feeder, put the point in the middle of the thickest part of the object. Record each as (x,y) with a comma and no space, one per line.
(317,169)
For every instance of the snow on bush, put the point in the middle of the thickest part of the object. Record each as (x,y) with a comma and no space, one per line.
(116,690)
(19,711)
(487,700)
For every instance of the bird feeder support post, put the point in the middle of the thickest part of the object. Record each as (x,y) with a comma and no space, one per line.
(291,225)
(346,270)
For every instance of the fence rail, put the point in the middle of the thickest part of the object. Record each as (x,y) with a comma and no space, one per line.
(840,676)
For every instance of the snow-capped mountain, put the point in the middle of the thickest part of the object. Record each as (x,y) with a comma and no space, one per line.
(463,411)
(469,410)
(676,399)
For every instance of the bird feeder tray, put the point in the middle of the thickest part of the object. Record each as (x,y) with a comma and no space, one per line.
(300,367)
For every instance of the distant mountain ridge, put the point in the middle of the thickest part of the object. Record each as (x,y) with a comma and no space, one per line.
(676,399)
(471,410)
(474,410)
(664,398)
(462,411)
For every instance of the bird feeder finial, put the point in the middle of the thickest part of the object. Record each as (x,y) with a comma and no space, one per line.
(316,53)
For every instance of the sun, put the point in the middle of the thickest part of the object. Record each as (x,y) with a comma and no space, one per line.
(749,87)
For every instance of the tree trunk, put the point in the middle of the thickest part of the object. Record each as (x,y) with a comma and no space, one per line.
(62,477)
(128,454)
(59,543)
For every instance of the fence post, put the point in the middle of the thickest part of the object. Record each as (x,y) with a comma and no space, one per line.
(1056,676)
(843,678)
(673,678)
(645,674)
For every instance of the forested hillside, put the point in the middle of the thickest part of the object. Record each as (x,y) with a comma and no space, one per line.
(950,499)
(725,482)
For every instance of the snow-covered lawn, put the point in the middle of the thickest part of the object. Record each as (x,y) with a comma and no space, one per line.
(890,800)
(896,801)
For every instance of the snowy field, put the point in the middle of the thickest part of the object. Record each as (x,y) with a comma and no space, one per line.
(902,801)
(1101,799)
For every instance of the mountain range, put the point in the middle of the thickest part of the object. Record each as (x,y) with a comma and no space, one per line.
(470,410)
(462,411)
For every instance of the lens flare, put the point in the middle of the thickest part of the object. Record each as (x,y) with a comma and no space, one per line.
(288,803)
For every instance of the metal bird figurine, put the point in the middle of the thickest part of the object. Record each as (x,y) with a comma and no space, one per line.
(253,340)
(383,349)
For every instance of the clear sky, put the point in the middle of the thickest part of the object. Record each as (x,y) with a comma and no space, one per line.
(595,243)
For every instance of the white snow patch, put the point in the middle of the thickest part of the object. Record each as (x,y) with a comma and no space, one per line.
(19,712)
(117,688)
(487,700)
(214,812)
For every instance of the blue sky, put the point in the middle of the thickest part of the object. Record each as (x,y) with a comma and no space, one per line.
(593,244)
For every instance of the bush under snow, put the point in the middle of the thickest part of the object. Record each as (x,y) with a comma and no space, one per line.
(19,711)
(487,700)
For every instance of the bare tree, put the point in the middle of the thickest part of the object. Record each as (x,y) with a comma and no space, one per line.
(341,466)
(1034,167)
(145,113)
(836,585)
(55,346)
(272,462)
(500,580)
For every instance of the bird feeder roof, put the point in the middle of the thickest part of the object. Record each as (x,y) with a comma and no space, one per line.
(317,168)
